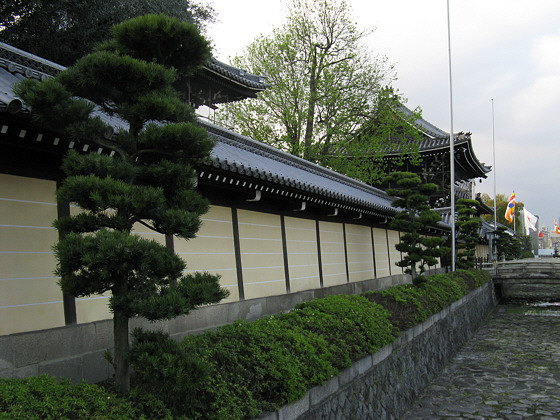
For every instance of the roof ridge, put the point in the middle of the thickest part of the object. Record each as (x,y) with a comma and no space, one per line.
(31,65)
(287,158)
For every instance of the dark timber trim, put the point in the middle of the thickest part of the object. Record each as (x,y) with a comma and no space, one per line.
(388,250)
(237,246)
(68,301)
(373,252)
(285,253)
(345,253)
(319,256)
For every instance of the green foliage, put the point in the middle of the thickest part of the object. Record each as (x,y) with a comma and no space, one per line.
(365,326)
(168,371)
(414,217)
(324,88)
(468,224)
(410,305)
(249,367)
(388,129)
(149,180)
(65,30)
(508,246)
(48,398)
(152,40)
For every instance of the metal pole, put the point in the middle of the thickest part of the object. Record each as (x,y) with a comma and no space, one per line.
(451,147)
(494,170)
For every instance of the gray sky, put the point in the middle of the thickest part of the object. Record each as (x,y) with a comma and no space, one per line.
(508,51)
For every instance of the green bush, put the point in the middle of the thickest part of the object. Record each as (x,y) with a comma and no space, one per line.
(46,398)
(261,365)
(167,371)
(365,327)
(409,305)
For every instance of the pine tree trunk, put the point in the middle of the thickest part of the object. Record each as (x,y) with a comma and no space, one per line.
(122,374)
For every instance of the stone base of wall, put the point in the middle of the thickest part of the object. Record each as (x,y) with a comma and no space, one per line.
(76,351)
(384,385)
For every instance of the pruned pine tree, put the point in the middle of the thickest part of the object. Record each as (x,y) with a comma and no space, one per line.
(415,217)
(508,246)
(468,224)
(149,181)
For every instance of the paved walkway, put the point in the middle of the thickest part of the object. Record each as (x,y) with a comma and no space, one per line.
(509,370)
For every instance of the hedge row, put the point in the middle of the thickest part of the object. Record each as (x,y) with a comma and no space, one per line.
(245,368)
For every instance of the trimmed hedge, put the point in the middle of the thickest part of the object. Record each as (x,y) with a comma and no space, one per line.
(245,368)
(410,305)
(44,397)
(251,367)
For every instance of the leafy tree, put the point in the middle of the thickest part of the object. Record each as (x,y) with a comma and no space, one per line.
(149,180)
(65,30)
(324,86)
(415,217)
(468,224)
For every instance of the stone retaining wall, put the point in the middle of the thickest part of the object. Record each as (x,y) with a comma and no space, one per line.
(384,385)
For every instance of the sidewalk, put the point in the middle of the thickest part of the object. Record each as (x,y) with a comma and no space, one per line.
(509,370)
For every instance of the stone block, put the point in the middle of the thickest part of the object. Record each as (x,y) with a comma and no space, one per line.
(382,354)
(70,368)
(7,350)
(453,307)
(428,323)
(23,372)
(348,375)
(407,336)
(29,348)
(364,364)
(255,310)
(418,330)
(436,317)
(322,392)
(69,341)
(5,365)
(294,410)
(103,336)
(95,367)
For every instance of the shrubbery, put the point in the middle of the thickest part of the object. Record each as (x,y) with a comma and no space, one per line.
(410,305)
(245,368)
(44,397)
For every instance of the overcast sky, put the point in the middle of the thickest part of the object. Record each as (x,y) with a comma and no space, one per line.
(508,51)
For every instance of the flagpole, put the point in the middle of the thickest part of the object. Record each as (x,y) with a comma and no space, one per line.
(492,241)
(451,147)
(494,169)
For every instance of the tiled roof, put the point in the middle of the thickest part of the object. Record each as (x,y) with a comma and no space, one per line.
(242,155)
(232,153)
(17,61)
(237,75)
(436,140)
(424,126)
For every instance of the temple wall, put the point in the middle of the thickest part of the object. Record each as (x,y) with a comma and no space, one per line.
(275,254)
(30,298)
